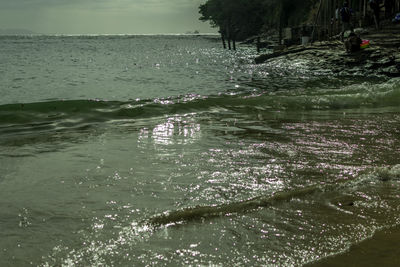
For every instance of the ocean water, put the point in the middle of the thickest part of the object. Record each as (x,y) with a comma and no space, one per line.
(169,151)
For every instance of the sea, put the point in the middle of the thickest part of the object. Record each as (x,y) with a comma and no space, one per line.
(167,150)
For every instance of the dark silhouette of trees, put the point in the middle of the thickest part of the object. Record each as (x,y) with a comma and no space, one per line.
(236,19)
(240,19)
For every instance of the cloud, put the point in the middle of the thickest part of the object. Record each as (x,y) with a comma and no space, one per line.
(102,16)
(120,4)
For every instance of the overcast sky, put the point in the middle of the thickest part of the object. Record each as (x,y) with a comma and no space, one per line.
(102,16)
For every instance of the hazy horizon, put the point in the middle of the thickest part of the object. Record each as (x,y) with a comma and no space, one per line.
(17,32)
(102,17)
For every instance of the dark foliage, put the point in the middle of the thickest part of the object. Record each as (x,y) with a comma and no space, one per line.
(240,19)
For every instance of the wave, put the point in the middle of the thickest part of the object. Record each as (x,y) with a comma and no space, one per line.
(207,212)
(93,111)
(90,110)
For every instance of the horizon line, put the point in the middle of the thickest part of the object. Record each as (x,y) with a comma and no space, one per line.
(106,34)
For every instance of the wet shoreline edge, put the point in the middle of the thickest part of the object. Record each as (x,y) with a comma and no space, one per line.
(382,249)
(381,58)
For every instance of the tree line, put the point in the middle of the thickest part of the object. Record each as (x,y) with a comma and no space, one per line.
(238,20)
(241,19)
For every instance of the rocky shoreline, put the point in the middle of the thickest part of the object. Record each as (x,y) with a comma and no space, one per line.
(381,58)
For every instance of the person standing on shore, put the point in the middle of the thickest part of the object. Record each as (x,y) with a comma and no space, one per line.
(345,14)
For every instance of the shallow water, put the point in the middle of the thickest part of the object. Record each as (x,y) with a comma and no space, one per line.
(167,150)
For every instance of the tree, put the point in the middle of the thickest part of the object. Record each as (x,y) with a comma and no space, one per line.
(236,19)
(240,19)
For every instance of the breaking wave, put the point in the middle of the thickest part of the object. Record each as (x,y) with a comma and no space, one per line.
(207,212)
(94,111)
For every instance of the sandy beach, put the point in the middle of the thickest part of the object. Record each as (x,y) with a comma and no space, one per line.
(380,250)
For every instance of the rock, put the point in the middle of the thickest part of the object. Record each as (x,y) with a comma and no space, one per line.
(279,48)
(360,31)
(392,71)
(369,65)
(396,57)
(375,54)
(385,62)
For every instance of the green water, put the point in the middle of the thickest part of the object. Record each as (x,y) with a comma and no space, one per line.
(168,151)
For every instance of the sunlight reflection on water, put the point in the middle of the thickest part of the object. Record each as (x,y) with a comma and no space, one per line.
(178,130)
(272,165)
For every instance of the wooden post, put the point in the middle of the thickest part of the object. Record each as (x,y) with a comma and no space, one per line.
(228,35)
(337,19)
(320,20)
(330,17)
(223,40)
(316,21)
(280,26)
(326,18)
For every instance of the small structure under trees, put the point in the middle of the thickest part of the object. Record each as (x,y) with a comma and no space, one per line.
(238,20)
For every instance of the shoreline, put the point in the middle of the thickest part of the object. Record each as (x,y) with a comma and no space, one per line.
(382,249)
(381,58)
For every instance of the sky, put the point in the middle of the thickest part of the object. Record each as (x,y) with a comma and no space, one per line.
(103,16)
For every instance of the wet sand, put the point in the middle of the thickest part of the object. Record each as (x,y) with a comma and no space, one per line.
(383,249)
